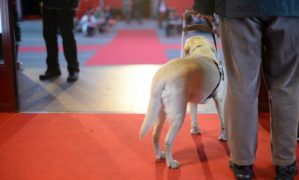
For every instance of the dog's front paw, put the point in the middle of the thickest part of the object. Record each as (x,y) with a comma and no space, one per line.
(174,164)
(160,156)
(195,131)
(222,137)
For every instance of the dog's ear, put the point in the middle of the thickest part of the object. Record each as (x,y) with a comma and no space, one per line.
(187,49)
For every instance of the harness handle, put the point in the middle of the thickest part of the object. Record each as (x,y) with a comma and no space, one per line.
(211,28)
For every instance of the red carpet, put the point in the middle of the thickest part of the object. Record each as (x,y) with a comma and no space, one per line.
(131,47)
(100,146)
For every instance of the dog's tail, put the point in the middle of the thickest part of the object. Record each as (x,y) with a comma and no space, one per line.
(154,107)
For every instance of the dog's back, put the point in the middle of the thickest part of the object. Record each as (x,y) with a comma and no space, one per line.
(193,78)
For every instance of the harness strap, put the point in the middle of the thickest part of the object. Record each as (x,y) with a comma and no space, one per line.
(221,73)
(213,31)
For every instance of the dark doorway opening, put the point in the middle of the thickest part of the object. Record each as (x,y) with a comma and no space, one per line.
(31,9)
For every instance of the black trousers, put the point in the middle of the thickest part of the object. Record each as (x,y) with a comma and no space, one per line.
(60,21)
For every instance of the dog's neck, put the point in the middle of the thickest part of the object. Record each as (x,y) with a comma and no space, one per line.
(199,51)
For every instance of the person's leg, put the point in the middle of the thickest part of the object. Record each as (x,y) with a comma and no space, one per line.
(50,37)
(66,26)
(281,69)
(241,40)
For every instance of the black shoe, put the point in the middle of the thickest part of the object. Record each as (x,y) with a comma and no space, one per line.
(73,77)
(286,172)
(241,172)
(49,75)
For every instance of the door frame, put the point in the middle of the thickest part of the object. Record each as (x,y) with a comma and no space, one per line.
(9,101)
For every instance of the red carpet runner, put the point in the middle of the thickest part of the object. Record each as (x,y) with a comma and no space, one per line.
(99,146)
(131,47)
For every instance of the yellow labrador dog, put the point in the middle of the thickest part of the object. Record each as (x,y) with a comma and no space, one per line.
(192,79)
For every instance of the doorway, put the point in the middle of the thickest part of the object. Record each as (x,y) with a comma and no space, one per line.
(30,9)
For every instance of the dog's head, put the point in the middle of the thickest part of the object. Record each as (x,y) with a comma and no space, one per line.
(199,46)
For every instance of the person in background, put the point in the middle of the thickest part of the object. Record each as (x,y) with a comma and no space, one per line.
(162,13)
(128,8)
(107,19)
(107,14)
(259,37)
(58,16)
(88,23)
(173,22)
(137,10)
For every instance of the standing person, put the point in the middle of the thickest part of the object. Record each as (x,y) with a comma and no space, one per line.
(259,36)
(58,16)
(138,9)
(162,13)
(128,8)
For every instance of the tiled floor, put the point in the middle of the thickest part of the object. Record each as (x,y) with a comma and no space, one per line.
(100,89)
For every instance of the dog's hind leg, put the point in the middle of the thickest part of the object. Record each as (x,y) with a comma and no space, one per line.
(157,133)
(175,126)
(194,124)
(176,111)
